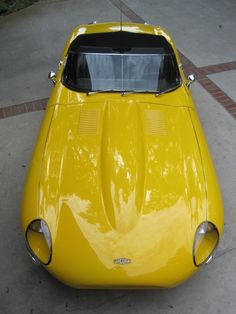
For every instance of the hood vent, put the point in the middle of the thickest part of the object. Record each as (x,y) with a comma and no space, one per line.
(88,121)
(155,122)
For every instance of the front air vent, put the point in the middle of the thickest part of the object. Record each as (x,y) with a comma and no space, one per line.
(88,121)
(155,122)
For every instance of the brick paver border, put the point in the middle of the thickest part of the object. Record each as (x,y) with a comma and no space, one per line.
(201,74)
(30,106)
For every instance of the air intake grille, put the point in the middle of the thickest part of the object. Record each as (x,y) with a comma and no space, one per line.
(155,122)
(88,121)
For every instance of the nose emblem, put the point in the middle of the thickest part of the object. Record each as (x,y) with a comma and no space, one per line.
(122,261)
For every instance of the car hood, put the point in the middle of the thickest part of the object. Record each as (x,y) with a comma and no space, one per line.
(122,179)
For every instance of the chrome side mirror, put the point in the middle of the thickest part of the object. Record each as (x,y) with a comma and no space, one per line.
(52,77)
(191,79)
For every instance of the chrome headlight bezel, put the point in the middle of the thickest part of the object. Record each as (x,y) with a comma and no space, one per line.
(40,226)
(204,228)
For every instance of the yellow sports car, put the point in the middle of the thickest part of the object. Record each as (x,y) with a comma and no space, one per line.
(121,191)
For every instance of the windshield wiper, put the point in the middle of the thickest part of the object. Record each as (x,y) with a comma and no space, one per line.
(102,91)
(158,93)
(127,92)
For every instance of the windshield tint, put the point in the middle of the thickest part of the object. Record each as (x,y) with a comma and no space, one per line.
(145,69)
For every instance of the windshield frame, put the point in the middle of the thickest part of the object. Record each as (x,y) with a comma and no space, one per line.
(142,51)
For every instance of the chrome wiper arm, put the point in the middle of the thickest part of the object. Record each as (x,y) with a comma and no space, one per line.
(137,92)
(158,93)
(102,91)
(127,92)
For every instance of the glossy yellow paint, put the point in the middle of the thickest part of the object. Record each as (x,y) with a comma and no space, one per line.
(121,177)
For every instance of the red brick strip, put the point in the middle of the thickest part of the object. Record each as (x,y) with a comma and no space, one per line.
(217,68)
(219,95)
(127,11)
(30,106)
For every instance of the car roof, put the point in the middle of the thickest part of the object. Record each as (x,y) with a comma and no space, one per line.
(116,26)
(121,41)
(94,28)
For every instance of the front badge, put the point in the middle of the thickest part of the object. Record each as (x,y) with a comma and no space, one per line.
(122,261)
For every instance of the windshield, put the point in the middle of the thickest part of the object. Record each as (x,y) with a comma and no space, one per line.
(103,68)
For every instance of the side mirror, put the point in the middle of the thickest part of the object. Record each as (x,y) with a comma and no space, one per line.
(52,77)
(191,79)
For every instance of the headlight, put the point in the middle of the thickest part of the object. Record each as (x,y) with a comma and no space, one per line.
(205,243)
(38,240)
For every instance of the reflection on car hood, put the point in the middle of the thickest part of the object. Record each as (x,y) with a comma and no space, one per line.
(125,178)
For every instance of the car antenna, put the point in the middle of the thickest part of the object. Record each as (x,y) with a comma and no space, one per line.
(121,15)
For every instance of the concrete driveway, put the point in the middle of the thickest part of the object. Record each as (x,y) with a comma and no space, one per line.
(31,43)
